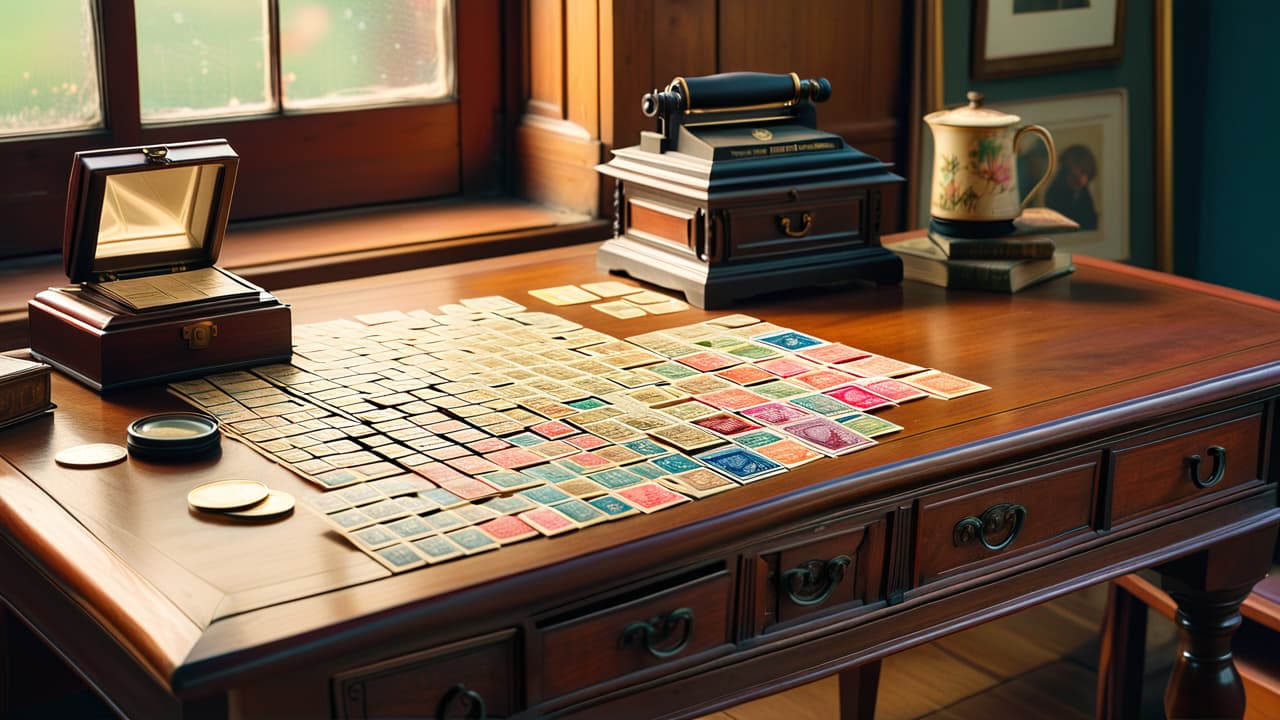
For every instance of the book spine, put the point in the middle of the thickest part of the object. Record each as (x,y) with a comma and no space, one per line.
(979,277)
(1008,250)
(24,394)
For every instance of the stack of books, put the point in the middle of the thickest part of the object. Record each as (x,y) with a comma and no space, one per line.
(1004,264)
(24,390)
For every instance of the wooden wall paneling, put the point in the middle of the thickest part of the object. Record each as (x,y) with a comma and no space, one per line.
(653,41)
(685,41)
(582,69)
(857,45)
(821,38)
(480,59)
(608,45)
(591,61)
(546,58)
(888,74)
(632,75)
(557,142)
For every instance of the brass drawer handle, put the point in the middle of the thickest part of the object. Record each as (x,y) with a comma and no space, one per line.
(657,630)
(1219,455)
(806,225)
(813,582)
(470,702)
(992,521)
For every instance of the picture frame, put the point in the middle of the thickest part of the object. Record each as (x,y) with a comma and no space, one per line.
(1028,37)
(1091,185)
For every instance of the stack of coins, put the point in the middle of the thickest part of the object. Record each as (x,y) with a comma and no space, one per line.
(240,498)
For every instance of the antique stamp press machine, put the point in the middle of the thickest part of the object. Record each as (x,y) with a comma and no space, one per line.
(738,193)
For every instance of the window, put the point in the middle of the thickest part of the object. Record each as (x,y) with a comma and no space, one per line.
(330,103)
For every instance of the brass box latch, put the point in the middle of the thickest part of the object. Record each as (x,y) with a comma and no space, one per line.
(198,335)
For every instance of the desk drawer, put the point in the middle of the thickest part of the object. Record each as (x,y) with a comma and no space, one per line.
(1007,517)
(660,627)
(472,678)
(1186,461)
(811,573)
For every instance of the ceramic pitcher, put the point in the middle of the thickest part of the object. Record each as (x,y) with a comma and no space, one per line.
(975,169)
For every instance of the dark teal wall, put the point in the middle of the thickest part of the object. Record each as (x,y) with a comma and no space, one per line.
(1134,73)
(1226,140)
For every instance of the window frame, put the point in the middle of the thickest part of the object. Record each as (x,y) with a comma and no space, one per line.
(290,163)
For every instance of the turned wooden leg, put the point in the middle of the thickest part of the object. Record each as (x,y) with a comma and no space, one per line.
(5,619)
(1121,656)
(858,688)
(1209,587)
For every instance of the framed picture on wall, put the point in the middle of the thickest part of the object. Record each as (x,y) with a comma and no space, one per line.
(1091,183)
(1026,37)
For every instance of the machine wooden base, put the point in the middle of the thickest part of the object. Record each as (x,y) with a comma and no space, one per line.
(718,286)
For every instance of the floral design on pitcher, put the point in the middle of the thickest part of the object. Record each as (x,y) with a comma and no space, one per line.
(950,197)
(989,161)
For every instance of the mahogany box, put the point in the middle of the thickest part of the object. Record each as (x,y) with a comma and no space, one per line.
(143,229)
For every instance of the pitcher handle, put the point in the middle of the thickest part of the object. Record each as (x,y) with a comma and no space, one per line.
(1053,157)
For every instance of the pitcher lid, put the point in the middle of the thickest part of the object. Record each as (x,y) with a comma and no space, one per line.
(972,115)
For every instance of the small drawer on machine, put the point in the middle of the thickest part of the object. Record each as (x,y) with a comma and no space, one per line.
(807,222)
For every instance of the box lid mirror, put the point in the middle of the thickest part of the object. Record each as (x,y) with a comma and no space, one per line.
(147,210)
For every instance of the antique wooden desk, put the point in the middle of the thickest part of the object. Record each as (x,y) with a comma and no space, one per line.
(1104,385)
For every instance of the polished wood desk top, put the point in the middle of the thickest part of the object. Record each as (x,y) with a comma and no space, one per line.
(173,606)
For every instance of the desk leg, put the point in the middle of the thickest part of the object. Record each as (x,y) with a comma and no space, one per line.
(1209,587)
(1121,656)
(858,688)
(5,619)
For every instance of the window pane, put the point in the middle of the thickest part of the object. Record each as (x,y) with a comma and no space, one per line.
(201,59)
(342,53)
(48,67)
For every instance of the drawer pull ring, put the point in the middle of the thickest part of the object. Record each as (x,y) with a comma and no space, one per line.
(657,630)
(806,225)
(813,582)
(992,522)
(468,700)
(1219,455)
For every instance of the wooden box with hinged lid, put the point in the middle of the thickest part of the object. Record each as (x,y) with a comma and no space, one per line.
(143,229)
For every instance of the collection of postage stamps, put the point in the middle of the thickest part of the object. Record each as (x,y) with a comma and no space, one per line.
(442,434)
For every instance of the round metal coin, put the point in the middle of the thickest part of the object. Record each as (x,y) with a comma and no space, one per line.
(278,503)
(92,455)
(223,495)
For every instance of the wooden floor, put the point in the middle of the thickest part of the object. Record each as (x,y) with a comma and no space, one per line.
(1039,663)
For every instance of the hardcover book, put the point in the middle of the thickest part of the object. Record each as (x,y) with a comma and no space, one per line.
(1036,247)
(924,261)
(24,390)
